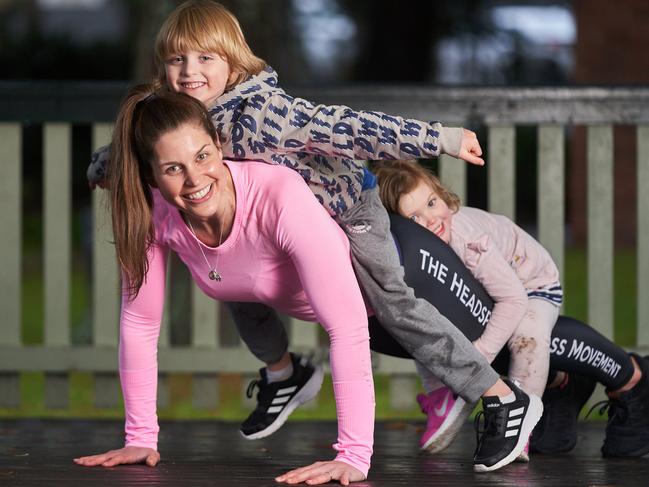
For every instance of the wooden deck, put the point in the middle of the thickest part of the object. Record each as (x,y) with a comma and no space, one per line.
(40,452)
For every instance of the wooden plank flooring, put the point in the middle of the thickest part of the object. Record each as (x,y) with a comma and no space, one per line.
(40,452)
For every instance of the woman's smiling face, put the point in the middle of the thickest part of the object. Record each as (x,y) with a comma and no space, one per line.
(189,172)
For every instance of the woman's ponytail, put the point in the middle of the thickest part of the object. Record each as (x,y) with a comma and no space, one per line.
(131,201)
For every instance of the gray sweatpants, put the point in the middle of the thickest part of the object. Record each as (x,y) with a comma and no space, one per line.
(417,325)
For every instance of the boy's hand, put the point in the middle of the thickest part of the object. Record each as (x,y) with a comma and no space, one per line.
(470,150)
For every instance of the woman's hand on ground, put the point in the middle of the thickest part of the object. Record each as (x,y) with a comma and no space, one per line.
(126,455)
(322,473)
(470,150)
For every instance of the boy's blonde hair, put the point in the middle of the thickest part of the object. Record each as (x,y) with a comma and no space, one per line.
(397,178)
(203,25)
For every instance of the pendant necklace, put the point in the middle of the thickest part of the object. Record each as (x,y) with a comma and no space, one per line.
(213,274)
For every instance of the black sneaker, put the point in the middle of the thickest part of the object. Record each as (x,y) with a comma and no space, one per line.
(557,430)
(277,400)
(506,430)
(627,431)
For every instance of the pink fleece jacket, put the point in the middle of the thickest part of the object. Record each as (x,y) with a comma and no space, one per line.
(284,250)
(508,262)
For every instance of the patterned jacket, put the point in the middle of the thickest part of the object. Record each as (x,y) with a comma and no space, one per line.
(326,145)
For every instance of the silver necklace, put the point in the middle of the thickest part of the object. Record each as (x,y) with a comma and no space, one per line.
(213,274)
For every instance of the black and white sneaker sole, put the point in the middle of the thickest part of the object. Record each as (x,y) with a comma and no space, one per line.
(534,413)
(308,392)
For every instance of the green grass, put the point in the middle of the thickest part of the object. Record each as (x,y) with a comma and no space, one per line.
(575,292)
(230,386)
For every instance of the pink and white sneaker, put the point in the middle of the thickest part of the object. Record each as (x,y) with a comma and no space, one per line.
(524,457)
(446,414)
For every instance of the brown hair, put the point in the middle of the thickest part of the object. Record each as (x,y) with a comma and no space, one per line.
(397,178)
(144,116)
(203,25)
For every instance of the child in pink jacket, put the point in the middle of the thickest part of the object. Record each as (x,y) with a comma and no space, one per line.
(515,270)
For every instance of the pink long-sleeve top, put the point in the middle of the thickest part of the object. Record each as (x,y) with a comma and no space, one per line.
(510,264)
(284,250)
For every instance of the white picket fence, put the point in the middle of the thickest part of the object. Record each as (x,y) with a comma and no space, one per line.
(552,111)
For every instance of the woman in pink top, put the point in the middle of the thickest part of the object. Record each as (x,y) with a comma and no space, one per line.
(247,232)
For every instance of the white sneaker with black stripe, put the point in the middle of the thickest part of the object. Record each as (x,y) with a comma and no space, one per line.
(277,400)
(506,430)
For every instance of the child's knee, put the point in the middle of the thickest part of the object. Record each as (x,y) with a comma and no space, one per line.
(522,345)
(529,345)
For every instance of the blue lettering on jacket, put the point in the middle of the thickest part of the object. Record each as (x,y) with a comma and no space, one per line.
(432,148)
(388,136)
(255,146)
(410,129)
(348,145)
(321,123)
(269,140)
(409,149)
(346,178)
(248,122)
(237,132)
(272,124)
(363,144)
(229,105)
(323,163)
(338,206)
(271,81)
(319,137)
(238,151)
(327,111)
(256,101)
(368,127)
(390,118)
(385,156)
(282,112)
(300,119)
(293,143)
(342,129)
(349,113)
(430,132)
(250,89)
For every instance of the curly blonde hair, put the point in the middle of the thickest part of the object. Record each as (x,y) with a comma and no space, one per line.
(397,178)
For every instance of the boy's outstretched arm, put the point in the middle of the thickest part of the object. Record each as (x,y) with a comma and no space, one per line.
(280,123)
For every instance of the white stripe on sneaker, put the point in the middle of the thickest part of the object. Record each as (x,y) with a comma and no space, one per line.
(274,409)
(308,392)
(511,433)
(516,412)
(514,422)
(281,400)
(286,390)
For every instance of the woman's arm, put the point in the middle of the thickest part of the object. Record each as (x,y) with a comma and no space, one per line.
(505,288)
(139,330)
(138,352)
(315,245)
